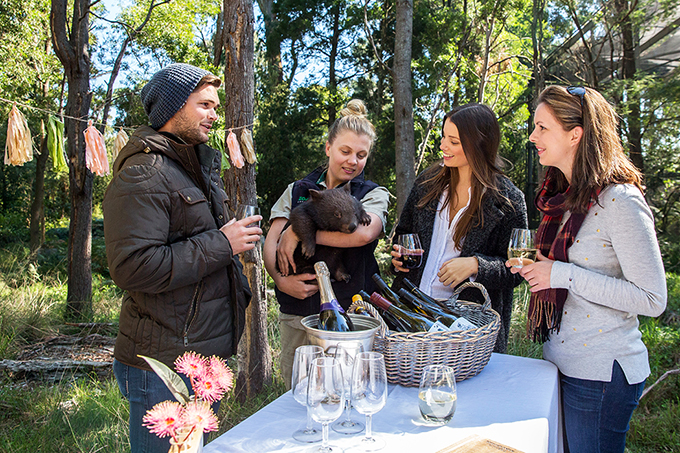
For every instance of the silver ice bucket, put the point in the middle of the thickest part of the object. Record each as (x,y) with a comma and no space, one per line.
(364,334)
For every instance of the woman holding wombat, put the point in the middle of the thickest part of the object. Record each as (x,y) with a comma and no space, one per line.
(348,146)
(464,210)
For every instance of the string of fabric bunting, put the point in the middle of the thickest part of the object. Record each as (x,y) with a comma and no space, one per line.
(19,145)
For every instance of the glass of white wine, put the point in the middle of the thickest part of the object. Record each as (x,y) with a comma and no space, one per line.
(437,394)
(522,249)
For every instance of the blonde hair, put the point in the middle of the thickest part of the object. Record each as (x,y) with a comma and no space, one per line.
(600,159)
(352,118)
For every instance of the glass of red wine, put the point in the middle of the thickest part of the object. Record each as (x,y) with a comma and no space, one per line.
(411,250)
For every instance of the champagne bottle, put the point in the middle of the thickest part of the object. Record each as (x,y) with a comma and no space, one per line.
(391,321)
(390,295)
(451,321)
(427,298)
(414,321)
(331,315)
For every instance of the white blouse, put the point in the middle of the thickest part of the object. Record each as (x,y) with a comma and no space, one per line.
(442,249)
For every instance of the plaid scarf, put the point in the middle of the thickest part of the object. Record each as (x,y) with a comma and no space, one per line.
(546,306)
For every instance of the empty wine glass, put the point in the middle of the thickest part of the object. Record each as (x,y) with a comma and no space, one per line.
(325,397)
(411,250)
(437,394)
(369,393)
(522,251)
(245,210)
(345,354)
(304,356)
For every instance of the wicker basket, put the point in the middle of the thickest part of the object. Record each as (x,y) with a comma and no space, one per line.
(467,351)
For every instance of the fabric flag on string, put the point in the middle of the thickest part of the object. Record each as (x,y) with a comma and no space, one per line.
(55,144)
(247,140)
(119,142)
(95,151)
(18,147)
(234,150)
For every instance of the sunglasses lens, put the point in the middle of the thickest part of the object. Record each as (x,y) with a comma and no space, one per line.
(576,91)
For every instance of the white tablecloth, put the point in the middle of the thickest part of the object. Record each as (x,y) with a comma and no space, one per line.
(514,401)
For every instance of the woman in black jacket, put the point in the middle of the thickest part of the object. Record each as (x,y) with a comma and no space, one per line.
(464,210)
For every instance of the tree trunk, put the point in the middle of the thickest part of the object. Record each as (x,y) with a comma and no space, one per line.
(254,356)
(37,228)
(71,46)
(403,103)
(332,79)
(272,40)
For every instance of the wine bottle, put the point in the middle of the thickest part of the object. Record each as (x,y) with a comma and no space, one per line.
(390,295)
(420,294)
(359,310)
(391,321)
(451,321)
(415,321)
(331,315)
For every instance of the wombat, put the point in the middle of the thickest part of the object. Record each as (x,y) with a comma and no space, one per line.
(327,210)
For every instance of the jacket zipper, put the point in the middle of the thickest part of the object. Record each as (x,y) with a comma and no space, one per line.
(192,312)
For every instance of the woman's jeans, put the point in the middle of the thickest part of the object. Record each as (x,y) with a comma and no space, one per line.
(144,389)
(596,413)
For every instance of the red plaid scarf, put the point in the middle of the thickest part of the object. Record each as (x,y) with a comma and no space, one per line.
(546,306)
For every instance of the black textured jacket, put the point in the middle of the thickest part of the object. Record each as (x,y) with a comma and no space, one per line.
(162,214)
(488,244)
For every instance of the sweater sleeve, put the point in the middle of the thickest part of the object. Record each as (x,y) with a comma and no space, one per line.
(641,288)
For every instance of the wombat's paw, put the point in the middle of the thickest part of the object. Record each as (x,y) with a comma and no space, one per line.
(308,250)
(365,219)
(341,276)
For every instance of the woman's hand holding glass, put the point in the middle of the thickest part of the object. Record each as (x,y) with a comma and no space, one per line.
(536,274)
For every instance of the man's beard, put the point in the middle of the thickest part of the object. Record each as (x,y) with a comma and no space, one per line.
(190,135)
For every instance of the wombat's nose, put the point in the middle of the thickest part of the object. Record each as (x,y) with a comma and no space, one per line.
(352,226)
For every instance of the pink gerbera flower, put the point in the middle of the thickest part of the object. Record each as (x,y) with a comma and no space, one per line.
(200,415)
(222,373)
(208,388)
(191,364)
(164,418)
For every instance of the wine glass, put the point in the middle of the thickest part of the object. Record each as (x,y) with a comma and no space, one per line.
(437,394)
(411,250)
(324,397)
(369,393)
(345,354)
(246,210)
(522,250)
(304,356)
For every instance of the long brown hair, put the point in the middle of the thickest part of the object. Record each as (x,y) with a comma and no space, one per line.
(600,159)
(479,136)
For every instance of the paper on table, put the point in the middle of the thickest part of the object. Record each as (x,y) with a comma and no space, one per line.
(476,444)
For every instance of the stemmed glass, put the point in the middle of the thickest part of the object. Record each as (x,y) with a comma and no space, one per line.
(246,210)
(522,250)
(437,394)
(345,354)
(324,397)
(304,356)
(411,250)
(369,393)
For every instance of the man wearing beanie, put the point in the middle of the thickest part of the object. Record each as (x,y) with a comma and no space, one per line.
(171,245)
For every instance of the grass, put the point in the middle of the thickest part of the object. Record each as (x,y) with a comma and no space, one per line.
(89,415)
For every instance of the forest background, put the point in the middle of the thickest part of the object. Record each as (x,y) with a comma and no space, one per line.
(288,67)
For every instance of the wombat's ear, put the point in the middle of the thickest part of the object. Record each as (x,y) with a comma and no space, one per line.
(347,187)
(314,194)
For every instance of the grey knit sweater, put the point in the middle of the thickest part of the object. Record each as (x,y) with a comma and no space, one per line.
(488,244)
(614,273)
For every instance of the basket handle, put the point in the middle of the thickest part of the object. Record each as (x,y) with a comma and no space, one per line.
(487,300)
(373,312)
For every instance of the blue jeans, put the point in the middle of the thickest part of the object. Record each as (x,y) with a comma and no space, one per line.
(144,389)
(596,413)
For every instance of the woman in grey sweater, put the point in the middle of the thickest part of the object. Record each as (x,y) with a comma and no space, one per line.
(599,267)
(464,210)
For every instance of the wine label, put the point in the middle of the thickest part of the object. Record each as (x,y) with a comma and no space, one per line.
(462,324)
(332,305)
(438,326)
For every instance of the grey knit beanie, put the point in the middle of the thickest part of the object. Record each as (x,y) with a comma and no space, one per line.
(168,91)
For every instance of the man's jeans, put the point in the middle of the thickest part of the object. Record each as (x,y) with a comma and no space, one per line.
(596,414)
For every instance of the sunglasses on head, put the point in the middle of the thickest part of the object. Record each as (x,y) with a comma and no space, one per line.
(577,91)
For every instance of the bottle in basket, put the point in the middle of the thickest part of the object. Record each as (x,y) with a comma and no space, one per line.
(331,315)
(390,295)
(359,310)
(415,322)
(426,297)
(391,321)
(449,320)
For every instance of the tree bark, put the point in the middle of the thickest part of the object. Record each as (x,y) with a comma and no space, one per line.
(71,47)
(37,226)
(403,103)
(254,356)
(332,78)
(272,40)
